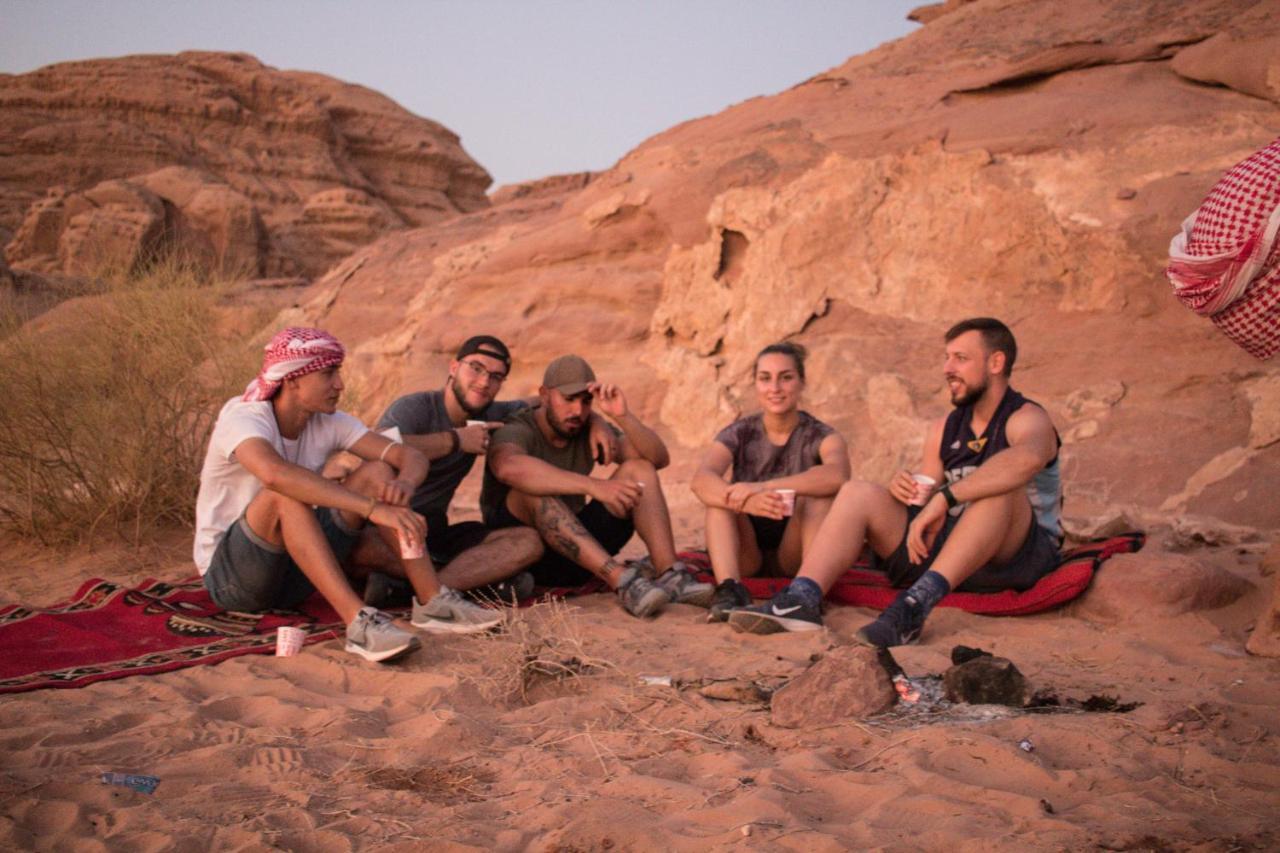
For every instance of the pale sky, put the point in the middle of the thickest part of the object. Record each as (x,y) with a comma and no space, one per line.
(533,88)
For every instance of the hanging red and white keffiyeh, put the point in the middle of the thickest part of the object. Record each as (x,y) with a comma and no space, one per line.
(291,353)
(1225,262)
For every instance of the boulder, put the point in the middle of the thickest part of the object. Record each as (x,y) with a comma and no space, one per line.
(849,683)
(987,680)
(1265,639)
(1154,583)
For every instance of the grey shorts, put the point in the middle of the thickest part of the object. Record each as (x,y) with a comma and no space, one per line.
(1036,558)
(248,573)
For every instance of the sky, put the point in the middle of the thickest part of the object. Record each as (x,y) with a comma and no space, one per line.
(534,88)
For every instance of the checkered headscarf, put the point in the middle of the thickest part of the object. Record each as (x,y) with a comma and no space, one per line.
(293,352)
(1225,262)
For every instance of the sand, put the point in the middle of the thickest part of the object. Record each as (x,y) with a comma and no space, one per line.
(545,737)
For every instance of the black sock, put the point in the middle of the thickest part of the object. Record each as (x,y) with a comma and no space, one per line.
(922,595)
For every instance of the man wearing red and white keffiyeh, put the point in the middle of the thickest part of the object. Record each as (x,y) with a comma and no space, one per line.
(271,530)
(292,353)
(1225,262)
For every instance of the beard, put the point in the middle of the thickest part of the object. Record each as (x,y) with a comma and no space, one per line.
(460,395)
(971,396)
(560,428)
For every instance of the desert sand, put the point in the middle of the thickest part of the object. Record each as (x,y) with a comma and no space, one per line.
(1005,159)
(468,745)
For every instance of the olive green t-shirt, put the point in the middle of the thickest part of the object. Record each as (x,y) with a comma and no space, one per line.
(521,429)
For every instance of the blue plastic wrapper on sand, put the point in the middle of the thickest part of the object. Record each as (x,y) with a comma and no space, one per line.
(145,784)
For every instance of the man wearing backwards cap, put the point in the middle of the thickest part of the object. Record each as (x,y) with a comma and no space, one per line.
(539,475)
(269,529)
(435,423)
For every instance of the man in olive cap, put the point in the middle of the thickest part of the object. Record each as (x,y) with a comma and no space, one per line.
(539,474)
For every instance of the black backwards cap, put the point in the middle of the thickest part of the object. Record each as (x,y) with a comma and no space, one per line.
(485,345)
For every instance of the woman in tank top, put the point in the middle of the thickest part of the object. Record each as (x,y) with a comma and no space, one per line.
(781,447)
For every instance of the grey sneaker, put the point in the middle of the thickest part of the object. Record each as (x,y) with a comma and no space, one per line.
(682,586)
(641,596)
(450,613)
(373,636)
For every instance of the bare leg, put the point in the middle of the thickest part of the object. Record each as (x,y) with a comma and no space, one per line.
(861,513)
(990,530)
(564,534)
(368,480)
(502,553)
(731,544)
(650,516)
(292,525)
(809,514)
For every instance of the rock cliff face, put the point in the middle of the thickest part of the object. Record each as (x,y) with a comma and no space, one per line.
(1006,159)
(275,173)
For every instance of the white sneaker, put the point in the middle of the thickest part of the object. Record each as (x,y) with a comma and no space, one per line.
(450,613)
(373,636)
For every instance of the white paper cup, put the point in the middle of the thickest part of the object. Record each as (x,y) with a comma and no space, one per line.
(415,552)
(788,500)
(289,641)
(476,423)
(924,489)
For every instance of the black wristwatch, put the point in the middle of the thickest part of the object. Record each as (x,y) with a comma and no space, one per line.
(945,491)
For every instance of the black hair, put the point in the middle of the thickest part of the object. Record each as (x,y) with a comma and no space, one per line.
(996,337)
(796,352)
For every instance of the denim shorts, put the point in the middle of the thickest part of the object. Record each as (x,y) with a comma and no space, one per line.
(248,573)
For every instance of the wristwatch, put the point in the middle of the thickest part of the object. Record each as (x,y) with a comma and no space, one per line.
(945,491)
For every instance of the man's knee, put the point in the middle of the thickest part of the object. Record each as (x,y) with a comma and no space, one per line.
(858,494)
(639,470)
(369,477)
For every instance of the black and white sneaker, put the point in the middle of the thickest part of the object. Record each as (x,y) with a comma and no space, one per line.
(784,612)
(730,595)
(899,625)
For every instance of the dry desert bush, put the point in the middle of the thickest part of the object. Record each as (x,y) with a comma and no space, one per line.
(541,644)
(108,402)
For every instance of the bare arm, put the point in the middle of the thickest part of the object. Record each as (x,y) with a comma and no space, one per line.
(411,466)
(1032,445)
(513,466)
(275,473)
(709,482)
(903,486)
(433,445)
(638,440)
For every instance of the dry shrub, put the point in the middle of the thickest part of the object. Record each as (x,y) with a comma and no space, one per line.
(108,404)
(542,644)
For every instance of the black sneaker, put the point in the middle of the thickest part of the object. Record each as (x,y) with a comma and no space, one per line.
(512,591)
(784,612)
(899,625)
(730,595)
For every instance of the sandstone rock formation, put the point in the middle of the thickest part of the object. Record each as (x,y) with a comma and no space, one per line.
(277,173)
(1158,584)
(1006,159)
(849,683)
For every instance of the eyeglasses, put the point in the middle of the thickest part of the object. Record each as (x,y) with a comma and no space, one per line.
(479,371)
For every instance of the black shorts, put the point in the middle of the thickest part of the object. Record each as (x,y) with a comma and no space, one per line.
(554,569)
(1036,558)
(769,531)
(446,541)
(248,573)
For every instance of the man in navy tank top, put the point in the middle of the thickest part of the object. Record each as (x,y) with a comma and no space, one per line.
(994,524)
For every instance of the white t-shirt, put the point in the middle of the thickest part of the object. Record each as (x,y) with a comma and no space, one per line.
(227,487)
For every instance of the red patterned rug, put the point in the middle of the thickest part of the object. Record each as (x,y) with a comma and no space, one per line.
(110,631)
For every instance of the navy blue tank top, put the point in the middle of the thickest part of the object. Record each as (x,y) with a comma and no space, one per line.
(963,452)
